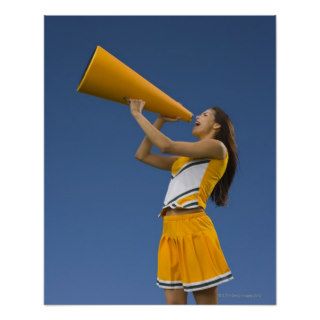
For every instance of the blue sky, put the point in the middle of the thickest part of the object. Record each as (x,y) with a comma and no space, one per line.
(101,204)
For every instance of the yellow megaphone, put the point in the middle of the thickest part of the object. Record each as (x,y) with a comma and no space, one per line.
(109,78)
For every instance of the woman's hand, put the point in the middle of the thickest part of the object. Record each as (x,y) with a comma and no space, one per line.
(136,105)
(167,119)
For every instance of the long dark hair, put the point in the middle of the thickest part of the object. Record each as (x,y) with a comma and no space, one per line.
(225,134)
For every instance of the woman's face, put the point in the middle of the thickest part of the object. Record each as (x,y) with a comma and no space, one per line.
(204,124)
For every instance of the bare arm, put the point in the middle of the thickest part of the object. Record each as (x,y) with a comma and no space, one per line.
(143,152)
(146,144)
(205,148)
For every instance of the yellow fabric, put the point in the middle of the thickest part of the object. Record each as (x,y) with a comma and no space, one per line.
(212,175)
(179,163)
(189,253)
(187,198)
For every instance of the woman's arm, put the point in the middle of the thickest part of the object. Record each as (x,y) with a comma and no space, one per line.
(146,144)
(205,148)
(155,136)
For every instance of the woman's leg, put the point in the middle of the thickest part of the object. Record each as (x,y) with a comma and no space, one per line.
(206,296)
(176,296)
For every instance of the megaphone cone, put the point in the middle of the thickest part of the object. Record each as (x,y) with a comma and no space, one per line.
(109,78)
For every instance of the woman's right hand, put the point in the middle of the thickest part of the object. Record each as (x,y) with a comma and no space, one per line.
(167,119)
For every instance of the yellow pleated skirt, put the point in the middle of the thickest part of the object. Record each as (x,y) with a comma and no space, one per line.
(189,254)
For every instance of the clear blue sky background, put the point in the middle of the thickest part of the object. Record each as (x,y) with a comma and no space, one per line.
(101,204)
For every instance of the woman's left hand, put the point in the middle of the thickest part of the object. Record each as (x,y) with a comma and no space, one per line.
(136,105)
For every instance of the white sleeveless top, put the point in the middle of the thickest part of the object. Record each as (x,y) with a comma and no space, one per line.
(192,182)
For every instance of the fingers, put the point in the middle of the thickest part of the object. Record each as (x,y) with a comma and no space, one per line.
(171,119)
(132,99)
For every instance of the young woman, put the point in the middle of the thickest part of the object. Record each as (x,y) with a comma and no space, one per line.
(190,258)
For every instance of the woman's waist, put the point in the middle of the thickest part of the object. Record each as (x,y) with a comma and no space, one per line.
(175,211)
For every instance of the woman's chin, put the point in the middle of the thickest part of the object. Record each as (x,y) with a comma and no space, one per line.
(194,133)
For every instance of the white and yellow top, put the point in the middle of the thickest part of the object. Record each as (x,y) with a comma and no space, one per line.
(192,182)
